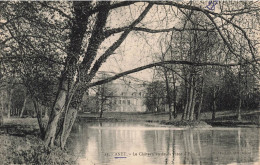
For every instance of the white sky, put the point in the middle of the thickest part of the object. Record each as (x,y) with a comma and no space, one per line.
(137,50)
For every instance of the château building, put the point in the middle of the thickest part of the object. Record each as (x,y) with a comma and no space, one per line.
(122,95)
(127,97)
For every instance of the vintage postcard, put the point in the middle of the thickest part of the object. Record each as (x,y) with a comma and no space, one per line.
(171,82)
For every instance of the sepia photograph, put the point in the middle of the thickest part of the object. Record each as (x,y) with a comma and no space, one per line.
(100,82)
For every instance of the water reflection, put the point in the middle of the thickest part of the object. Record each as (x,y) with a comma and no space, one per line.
(129,143)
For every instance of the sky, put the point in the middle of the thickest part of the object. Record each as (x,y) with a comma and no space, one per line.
(139,48)
(132,54)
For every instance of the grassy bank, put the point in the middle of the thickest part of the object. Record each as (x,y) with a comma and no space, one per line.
(30,150)
(21,144)
(223,118)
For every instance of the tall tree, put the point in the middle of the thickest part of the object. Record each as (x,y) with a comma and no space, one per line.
(155,96)
(104,94)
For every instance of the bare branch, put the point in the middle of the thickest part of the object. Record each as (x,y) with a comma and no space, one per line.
(116,44)
(242,11)
(118,30)
(208,12)
(161,64)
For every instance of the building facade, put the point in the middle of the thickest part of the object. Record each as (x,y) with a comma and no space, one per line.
(123,95)
(127,97)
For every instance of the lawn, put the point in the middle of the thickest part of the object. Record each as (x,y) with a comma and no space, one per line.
(248,117)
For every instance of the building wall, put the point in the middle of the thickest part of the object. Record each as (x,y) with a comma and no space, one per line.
(127,97)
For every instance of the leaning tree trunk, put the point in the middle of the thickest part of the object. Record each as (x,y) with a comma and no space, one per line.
(72,108)
(38,112)
(58,108)
(190,99)
(187,102)
(191,117)
(69,120)
(78,29)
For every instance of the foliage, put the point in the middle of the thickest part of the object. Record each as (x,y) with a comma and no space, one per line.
(31,150)
(89,104)
(194,124)
(155,97)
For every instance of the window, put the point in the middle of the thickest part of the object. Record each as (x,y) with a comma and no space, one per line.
(119,101)
(123,101)
(128,102)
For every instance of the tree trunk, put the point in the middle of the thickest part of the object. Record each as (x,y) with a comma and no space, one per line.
(46,112)
(184,116)
(72,108)
(191,117)
(2,109)
(190,99)
(175,102)
(240,94)
(201,101)
(24,105)
(57,110)
(38,112)
(239,108)
(9,103)
(2,101)
(174,97)
(69,120)
(214,104)
(101,110)
(168,94)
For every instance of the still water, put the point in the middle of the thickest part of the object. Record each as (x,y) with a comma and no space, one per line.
(137,144)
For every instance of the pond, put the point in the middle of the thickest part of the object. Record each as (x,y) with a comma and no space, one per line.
(119,143)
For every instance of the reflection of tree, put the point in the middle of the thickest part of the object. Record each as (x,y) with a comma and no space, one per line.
(199,144)
(168,147)
(238,145)
(173,146)
(77,142)
(209,147)
(212,147)
(186,149)
(183,146)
